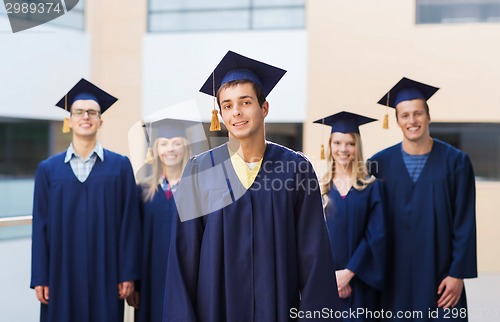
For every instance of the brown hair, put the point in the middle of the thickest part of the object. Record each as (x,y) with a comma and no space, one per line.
(261,98)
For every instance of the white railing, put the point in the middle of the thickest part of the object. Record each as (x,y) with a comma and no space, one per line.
(15,221)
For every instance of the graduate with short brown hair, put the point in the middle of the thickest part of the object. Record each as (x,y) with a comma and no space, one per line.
(431,208)
(86,225)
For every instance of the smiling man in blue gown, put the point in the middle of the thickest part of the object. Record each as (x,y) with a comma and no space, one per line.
(86,224)
(253,244)
(431,204)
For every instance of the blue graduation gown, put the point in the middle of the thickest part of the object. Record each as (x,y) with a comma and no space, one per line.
(263,257)
(157,216)
(431,226)
(86,238)
(356,226)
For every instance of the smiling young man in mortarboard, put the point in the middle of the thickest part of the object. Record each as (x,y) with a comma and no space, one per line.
(86,224)
(431,205)
(253,244)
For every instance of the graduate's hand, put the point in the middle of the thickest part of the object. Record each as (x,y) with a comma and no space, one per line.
(125,289)
(450,290)
(42,294)
(343,277)
(345,292)
(133,299)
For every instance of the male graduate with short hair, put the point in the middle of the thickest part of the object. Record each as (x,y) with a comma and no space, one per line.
(430,191)
(86,224)
(253,244)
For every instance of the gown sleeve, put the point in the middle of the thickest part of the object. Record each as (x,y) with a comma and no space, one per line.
(317,277)
(368,259)
(130,228)
(184,256)
(39,247)
(464,261)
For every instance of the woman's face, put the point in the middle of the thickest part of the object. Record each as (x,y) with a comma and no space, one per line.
(343,149)
(171,151)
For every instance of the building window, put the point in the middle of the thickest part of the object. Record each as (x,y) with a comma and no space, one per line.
(24,143)
(286,134)
(219,15)
(72,19)
(457,11)
(481,141)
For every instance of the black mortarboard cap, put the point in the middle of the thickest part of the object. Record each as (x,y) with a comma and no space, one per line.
(169,128)
(234,66)
(345,122)
(407,89)
(85,90)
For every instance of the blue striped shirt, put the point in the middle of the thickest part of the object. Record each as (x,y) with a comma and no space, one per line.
(81,168)
(414,164)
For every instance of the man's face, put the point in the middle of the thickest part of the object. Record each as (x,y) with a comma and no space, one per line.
(413,120)
(85,118)
(240,111)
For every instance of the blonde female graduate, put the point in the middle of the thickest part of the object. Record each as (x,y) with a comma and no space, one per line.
(171,151)
(354,215)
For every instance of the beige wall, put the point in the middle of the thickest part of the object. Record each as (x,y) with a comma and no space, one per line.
(117,28)
(359,49)
(488,223)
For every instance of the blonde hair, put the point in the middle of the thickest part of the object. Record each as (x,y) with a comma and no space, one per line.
(150,183)
(359,173)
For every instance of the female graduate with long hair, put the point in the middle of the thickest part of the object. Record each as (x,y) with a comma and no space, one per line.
(354,215)
(157,182)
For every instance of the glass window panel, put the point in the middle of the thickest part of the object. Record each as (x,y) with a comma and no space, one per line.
(197,4)
(72,19)
(23,145)
(287,134)
(80,6)
(208,20)
(192,15)
(457,11)
(278,18)
(281,3)
(480,141)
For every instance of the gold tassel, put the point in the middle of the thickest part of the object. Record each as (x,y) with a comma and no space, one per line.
(215,124)
(322,150)
(149,156)
(385,124)
(65,127)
